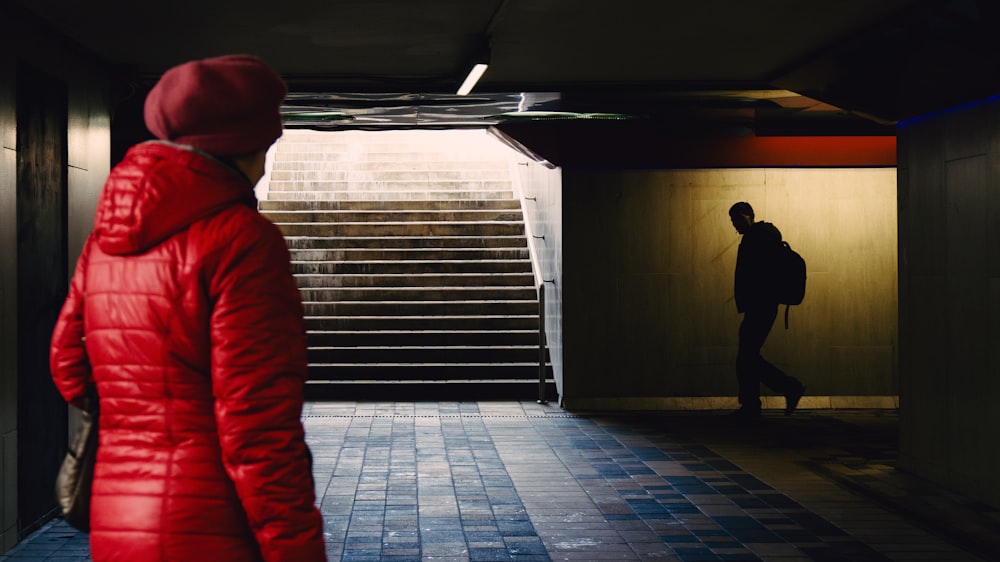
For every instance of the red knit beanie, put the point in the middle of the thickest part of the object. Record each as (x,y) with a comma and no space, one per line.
(225,106)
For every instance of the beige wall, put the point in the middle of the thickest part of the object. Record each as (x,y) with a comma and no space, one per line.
(88,138)
(649,319)
(949,232)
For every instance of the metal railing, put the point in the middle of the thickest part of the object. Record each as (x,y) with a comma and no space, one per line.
(542,363)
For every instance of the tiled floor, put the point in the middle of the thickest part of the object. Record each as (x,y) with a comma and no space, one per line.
(519,481)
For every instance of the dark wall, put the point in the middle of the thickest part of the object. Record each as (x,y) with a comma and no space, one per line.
(127,125)
(54,156)
(42,108)
(949,298)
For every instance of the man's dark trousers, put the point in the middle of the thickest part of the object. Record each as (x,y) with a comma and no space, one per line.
(751,368)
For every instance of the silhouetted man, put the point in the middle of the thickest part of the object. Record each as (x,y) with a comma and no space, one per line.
(756,299)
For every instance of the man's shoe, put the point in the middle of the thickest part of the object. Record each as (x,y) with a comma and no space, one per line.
(792,399)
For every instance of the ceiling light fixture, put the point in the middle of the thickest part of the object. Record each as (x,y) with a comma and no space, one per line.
(480,60)
(474,75)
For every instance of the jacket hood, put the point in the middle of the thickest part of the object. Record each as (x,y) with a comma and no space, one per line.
(160,189)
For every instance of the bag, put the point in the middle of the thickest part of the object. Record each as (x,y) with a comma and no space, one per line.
(791,278)
(77,473)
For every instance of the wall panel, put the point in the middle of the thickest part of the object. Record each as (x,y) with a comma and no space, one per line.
(8,294)
(950,299)
(8,348)
(26,42)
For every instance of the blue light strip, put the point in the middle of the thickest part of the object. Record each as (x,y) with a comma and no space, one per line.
(952,109)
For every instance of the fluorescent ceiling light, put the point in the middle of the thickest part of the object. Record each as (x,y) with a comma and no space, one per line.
(542,115)
(470,81)
(316,116)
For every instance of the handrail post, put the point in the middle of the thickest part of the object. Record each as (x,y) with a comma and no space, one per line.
(541,344)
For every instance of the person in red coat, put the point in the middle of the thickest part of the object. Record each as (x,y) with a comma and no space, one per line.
(183,312)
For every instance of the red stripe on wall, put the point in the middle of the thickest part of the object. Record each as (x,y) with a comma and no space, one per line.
(637,145)
(840,151)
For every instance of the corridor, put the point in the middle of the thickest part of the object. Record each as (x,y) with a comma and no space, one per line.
(520,481)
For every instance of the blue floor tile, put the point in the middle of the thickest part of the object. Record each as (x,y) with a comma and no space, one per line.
(450,478)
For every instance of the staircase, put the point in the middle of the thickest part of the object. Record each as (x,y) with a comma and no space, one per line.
(410,253)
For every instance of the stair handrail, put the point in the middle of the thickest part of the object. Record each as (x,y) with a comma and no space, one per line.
(536,271)
(515,181)
(542,363)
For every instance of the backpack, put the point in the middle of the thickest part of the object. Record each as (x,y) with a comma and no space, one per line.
(790,277)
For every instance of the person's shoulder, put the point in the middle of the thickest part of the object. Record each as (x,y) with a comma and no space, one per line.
(240,226)
(767,230)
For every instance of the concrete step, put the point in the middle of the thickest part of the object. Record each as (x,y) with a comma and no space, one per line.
(390,205)
(392,142)
(430,323)
(422,371)
(342,161)
(415,390)
(420,308)
(309,281)
(353,294)
(421,354)
(405,242)
(389,195)
(411,267)
(410,254)
(455,172)
(429,338)
(389,185)
(291,152)
(394,216)
(404,229)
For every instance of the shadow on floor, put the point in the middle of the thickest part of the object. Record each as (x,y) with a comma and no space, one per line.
(859,450)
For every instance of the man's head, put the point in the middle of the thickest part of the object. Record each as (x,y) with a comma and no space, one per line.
(226,106)
(742,216)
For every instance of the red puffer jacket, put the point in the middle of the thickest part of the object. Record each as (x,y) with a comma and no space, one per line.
(184,312)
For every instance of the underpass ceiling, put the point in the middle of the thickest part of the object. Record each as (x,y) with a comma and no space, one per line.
(375,63)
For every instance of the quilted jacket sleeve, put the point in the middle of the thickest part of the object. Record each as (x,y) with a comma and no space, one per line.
(258,375)
(68,353)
